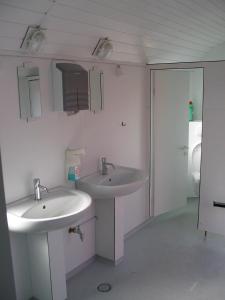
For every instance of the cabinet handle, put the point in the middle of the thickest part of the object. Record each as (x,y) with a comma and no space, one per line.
(218,204)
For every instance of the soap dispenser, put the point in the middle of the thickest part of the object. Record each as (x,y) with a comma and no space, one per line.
(73,162)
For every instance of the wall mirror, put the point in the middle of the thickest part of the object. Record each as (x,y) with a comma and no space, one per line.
(29,92)
(95,90)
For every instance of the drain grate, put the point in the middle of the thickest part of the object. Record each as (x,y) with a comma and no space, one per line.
(104,287)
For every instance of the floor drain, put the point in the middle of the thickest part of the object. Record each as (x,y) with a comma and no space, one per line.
(104,287)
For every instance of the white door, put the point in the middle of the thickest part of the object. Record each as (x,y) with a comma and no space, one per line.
(170,139)
(212,186)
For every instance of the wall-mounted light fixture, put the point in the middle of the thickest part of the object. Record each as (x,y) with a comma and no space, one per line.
(103,49)
(33,39)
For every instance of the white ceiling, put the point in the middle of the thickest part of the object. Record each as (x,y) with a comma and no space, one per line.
(152,31)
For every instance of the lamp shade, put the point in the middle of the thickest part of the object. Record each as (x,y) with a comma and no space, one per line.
(103,49)
(33,39)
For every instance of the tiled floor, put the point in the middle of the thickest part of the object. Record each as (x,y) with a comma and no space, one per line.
(168,259)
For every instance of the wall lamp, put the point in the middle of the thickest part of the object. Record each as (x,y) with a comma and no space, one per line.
(33,39)
(103,49)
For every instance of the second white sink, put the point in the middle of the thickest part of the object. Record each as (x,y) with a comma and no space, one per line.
(119,182)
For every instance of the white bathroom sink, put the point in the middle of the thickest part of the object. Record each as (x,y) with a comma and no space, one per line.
(58,208)
(119,182)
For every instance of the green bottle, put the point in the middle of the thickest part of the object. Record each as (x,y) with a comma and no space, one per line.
(190,110)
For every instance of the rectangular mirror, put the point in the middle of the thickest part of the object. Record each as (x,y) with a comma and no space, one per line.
(29,92)
(96,90)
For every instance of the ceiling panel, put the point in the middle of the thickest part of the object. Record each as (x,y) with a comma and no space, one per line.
(84,52)
(9,43)
(154,14)
(66,38)
(33,5)
(76,29)
(131,24)
(141,30)
(9,29)
(18,15)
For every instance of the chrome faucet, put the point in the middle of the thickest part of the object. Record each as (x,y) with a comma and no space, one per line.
(104,166)
(37,189)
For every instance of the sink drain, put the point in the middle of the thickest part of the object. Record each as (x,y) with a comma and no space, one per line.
(104,287)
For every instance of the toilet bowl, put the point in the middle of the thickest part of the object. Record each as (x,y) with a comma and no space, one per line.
(196,161)
(194,158)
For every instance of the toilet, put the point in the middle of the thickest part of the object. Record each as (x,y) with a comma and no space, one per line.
(194,158)
(196,161)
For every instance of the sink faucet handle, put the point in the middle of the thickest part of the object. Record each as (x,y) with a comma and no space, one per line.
(44,188)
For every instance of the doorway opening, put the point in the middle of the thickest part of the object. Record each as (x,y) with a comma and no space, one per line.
(176,137)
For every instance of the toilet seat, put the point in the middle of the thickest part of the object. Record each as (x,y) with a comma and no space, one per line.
(196,176)
(196,158)
(196,162)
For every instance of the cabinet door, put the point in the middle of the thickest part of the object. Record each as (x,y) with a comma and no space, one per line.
(70,92)
(212,187)
(82,81)
(170,139)
(75,87)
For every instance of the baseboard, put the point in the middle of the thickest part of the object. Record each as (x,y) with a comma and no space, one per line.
(90,261)
(137,228)
(80,268)
(155,219)
(108,261)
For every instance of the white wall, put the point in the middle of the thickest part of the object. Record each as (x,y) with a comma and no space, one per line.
(36,148)
(7,286)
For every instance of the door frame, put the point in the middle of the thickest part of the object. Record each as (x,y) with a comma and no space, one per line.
(7,283)
(158,67)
